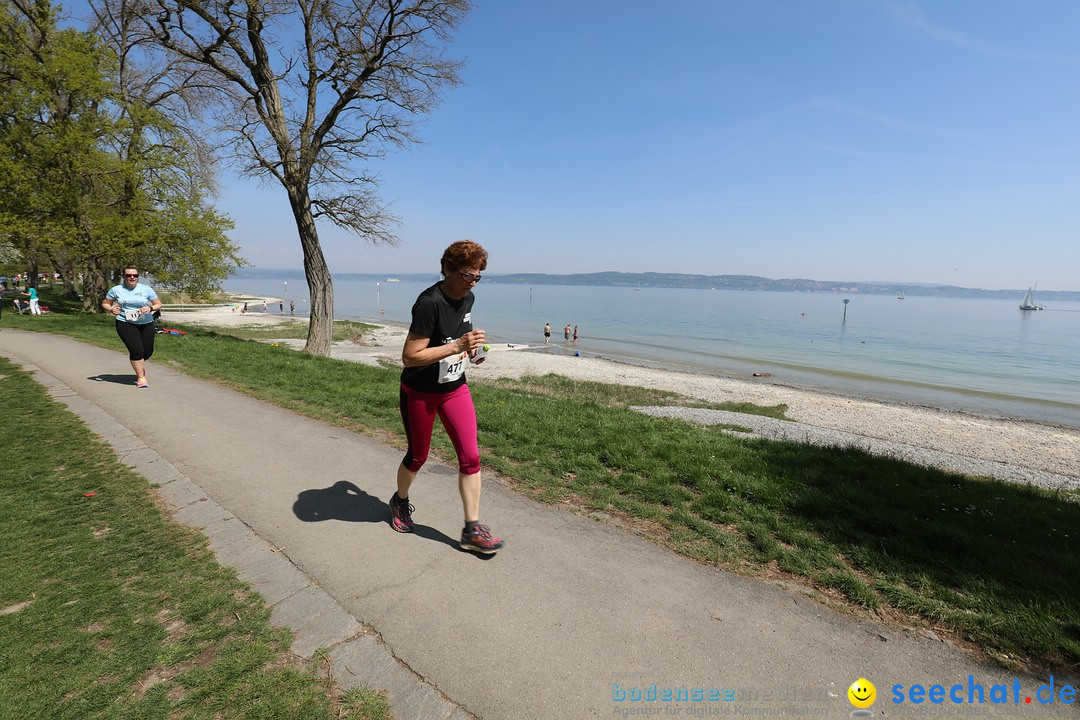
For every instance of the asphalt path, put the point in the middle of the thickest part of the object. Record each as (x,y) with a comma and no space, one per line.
(572,619)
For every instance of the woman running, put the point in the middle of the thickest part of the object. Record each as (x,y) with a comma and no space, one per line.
(134,305)
(441,340)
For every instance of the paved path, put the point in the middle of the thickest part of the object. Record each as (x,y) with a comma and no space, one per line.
(573,612)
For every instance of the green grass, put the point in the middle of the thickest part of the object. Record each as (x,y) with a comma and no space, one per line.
(621,395)
(988,563)
(343,330)
(110,610)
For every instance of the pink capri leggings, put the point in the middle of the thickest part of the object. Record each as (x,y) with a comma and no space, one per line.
(458,415)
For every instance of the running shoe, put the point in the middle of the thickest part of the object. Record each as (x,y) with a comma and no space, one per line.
(480,540)
(141,382)
(401,514)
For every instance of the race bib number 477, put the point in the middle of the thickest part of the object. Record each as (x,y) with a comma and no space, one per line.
(452,368)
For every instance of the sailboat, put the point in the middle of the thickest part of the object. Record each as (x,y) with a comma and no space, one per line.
(900,296)
(1029,302)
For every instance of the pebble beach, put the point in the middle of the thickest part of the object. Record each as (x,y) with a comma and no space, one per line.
(1007,449)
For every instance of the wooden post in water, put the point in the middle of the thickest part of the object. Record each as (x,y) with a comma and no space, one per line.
(846,301)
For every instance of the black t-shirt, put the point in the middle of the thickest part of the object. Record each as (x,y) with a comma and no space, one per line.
(442,321)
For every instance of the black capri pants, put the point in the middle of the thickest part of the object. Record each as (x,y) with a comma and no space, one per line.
(139,339)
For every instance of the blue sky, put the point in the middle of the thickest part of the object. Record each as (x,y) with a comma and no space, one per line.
(829,139)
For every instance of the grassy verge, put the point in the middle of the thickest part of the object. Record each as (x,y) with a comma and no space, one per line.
(343,330)
(986,562)
(109,610)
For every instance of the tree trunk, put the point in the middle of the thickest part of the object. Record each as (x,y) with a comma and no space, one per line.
(67,276)
(95,285)
(317,273)
(31,269)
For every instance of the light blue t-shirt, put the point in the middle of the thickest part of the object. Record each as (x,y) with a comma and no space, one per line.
(33,293)
(139,297)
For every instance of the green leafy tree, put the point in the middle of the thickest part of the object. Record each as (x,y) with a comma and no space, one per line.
(51,127)
(190,258)
(101,176)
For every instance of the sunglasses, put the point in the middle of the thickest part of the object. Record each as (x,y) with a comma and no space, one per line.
(131,274)
(469,277)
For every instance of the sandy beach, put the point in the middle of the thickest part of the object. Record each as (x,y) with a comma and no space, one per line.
(1016,451)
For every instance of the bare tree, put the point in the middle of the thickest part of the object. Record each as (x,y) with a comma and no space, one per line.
(149,83)
(308,91)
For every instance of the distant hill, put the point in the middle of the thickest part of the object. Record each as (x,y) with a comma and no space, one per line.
(686,280)
(754,282)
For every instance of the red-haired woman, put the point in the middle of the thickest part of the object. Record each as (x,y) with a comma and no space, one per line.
(441,340)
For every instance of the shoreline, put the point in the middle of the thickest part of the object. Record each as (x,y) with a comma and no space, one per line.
(1006,448)
(968,355)
(980,390)
(980,404)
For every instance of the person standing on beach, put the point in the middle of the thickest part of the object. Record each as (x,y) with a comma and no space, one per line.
(441,339)
(547,333)
(575,334)
(134,305)
(566,332)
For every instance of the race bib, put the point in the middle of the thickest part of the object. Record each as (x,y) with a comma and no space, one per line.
(452,368)
(133,315)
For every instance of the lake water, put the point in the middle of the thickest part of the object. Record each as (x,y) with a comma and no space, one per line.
(979,355)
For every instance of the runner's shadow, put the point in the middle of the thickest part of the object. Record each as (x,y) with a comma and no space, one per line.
(118,379)
(346,502)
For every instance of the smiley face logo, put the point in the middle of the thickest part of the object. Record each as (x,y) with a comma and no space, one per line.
(862,693)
